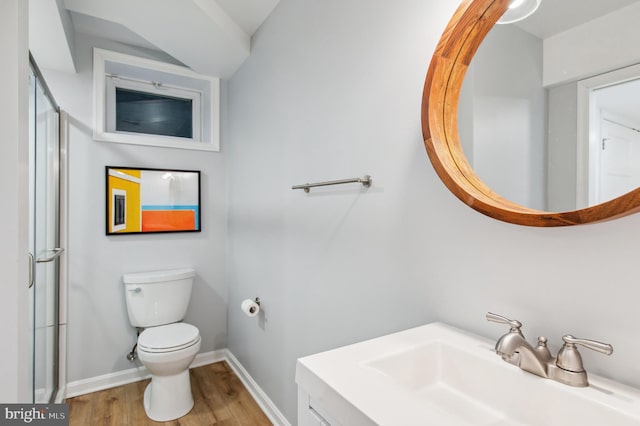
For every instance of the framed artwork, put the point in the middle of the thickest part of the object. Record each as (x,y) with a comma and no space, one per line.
(142,201)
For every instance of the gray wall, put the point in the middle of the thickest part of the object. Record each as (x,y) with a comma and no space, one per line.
(562,145)
(520,138)
(502,116)
(99,331)
(333,90)
(606,43)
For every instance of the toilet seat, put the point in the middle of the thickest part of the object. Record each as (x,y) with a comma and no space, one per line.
(168,338)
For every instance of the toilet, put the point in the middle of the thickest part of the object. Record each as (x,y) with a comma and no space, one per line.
(157,301)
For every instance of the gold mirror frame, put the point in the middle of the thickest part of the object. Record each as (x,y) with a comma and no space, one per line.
(460,40)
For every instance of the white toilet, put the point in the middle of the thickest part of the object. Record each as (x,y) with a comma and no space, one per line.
(156,301)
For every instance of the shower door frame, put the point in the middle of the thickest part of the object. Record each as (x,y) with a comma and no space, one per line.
(58,372)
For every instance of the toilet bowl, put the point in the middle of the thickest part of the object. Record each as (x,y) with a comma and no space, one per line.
(167,351)
(157,302)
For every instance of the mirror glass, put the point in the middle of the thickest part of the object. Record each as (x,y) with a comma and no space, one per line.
(549,110)
(152,200)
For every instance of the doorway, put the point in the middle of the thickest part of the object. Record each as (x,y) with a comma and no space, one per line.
(608,136)
(618,171)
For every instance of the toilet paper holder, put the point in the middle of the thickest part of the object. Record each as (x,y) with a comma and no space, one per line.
(250,307)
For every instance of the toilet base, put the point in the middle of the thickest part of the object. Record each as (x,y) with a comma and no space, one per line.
(168,397)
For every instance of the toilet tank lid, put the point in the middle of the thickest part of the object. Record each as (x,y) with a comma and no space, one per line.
(158,276)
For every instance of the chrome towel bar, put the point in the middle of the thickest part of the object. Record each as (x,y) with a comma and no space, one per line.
(365,181)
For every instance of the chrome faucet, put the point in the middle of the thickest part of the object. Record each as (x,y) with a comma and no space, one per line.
(566,368)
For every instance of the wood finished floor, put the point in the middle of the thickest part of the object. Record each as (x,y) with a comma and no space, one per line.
(219,396)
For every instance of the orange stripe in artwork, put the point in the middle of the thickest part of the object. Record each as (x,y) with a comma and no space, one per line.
(168,220)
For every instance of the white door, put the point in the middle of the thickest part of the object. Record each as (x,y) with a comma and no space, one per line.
(619,159)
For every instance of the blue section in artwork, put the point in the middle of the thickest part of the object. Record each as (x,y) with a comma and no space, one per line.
(194,208)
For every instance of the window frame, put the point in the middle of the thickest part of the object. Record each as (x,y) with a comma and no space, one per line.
(206,127)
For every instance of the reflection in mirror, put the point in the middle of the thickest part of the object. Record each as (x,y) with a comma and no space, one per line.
(549,110)
(152,200)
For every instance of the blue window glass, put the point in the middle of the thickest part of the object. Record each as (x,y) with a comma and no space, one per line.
(143,112)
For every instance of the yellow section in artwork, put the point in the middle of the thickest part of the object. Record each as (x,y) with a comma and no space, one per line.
(131,189)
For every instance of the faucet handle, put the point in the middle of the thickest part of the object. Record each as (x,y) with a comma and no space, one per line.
(514,324)
(604,348)
(569,358)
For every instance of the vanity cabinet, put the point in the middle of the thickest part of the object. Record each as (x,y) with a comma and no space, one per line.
(319,404)
(310,413)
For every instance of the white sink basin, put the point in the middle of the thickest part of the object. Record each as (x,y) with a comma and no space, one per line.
(439,375)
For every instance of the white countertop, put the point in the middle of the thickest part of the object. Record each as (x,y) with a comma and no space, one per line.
(439,375)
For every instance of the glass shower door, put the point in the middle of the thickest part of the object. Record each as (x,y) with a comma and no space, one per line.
(44,239)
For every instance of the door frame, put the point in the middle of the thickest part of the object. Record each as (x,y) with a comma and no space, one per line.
(588,131)
(63,266)
(15,360)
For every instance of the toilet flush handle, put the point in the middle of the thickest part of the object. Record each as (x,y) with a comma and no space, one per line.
(135,290)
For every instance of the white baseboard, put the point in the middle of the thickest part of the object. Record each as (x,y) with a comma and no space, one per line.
(261,398)
(106,381)
(207,358)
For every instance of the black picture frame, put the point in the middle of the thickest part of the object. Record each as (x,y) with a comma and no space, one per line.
(141,200)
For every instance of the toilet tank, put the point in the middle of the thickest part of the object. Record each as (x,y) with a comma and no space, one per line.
(158,297)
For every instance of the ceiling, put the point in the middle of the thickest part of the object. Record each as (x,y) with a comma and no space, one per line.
(211,37)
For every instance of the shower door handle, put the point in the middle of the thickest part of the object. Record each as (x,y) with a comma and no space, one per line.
(32,266)
(56,252)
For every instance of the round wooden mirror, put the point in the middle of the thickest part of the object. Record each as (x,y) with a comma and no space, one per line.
(458,45)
